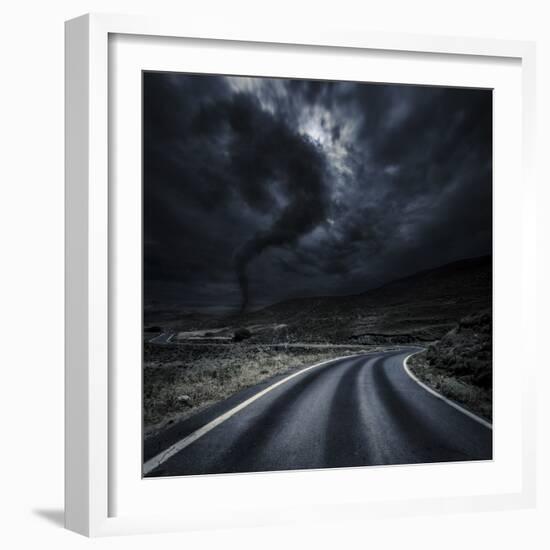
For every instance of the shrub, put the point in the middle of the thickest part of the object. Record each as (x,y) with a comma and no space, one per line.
(241,334)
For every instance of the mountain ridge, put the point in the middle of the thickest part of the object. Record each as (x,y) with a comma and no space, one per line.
(421,306)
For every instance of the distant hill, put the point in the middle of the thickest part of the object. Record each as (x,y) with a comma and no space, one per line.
(418,308)
(421,307)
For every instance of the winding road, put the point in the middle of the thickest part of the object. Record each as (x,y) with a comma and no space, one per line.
(162,338)
(355,411)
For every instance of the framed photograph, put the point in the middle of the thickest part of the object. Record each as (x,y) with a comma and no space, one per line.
(295,265)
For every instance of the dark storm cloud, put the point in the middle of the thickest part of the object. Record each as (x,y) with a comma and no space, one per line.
(292,187)
(267,159)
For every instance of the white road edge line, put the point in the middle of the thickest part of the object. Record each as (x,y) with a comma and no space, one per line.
(157,460)
(473,416)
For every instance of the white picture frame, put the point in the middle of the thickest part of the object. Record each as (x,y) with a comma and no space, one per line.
(91,215)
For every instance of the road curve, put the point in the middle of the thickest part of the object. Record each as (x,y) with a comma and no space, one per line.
(162,338)
(359,411)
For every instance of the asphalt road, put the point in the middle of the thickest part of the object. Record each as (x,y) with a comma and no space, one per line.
(356,411)
(162,338)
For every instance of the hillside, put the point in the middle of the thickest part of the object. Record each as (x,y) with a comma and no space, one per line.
(419,308)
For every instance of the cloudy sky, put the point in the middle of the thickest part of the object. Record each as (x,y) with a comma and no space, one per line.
(257,190)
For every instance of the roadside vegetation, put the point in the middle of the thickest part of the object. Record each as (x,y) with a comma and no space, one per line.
(459,365)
